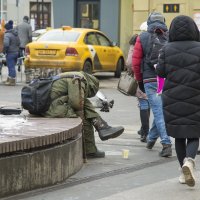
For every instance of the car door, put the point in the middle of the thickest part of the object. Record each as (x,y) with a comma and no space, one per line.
(108,52)
(95,50)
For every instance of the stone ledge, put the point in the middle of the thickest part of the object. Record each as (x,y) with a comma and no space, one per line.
(20,173)
(35,132)
(38,152)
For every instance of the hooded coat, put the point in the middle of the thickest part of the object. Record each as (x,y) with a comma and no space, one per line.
(11,41)
(179,63)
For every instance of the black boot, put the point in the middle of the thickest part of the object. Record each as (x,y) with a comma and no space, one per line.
(144,117)
(105,131)
(166,151)
(97,154)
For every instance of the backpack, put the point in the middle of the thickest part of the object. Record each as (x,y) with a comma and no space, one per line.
(158,40)
(35,97)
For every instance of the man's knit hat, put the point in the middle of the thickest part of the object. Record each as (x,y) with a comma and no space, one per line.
(9,25)
(156,16)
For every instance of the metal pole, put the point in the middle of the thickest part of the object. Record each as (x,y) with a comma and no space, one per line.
(42,13)
(38,21)
(1,10)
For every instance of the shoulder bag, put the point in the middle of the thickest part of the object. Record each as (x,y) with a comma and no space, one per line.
(127,84)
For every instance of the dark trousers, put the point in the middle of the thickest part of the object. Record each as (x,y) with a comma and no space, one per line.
(11,61)
(186,147)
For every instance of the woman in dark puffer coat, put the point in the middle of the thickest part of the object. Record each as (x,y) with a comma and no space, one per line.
(179,63)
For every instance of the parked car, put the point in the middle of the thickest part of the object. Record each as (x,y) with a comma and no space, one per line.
(37,33)
(73,49)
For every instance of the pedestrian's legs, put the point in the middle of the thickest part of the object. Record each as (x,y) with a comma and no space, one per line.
(89,137)
(192,147)
(180,146)
(153,133)
(189,162)
(184,150)
(11,60)
(155,102)
(144,117)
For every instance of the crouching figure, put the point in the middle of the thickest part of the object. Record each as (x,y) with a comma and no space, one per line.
(69,98)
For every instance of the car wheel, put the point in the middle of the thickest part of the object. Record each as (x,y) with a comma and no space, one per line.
(119,68)
(87,67)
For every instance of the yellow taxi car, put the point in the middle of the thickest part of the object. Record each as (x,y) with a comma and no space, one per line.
(73,49)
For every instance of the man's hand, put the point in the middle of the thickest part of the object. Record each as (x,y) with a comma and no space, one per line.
(141,86)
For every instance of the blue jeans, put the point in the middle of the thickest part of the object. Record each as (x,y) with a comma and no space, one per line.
(143,104)
(11,61)
(158,126)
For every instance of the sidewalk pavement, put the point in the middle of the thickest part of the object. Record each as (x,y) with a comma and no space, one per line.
(144,175)
(152,177)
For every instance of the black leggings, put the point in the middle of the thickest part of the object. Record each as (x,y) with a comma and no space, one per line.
(186,150)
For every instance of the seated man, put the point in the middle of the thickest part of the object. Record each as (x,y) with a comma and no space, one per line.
(69,99)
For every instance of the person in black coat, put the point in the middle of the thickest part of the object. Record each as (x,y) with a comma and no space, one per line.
(179,63)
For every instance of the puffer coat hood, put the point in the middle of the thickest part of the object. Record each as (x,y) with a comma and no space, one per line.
(179,63)
(183,28)
(156,21)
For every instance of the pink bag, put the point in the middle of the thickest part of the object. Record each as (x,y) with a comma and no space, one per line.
(160,84)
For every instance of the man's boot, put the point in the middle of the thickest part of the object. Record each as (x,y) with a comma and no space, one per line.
(188,171)
(144,117)
(166,151)
(105,131)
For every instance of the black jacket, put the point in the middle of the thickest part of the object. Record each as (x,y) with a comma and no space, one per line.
(179,63)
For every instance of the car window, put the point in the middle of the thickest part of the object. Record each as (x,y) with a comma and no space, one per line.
(60,36)
(91,39)
(103,40)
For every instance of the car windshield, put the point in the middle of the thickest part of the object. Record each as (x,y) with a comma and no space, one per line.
(60,36)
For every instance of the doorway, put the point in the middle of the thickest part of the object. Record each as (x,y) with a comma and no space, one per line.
(40,12)
(88,14)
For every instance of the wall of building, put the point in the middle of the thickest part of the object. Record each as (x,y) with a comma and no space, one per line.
(126,24)
(142,8)
(16,13)
(109,18)
(63,11)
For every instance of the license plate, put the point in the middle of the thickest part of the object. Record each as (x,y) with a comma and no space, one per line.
(46,52)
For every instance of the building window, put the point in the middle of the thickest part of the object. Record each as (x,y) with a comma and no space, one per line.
(40,12)
(88,14)
(3,10)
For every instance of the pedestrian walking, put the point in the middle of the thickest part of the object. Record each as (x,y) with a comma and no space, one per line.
(179,65)
(147,80)
(24,30)
(11,49)
(143,103)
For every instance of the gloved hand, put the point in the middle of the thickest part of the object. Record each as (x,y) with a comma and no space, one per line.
(141,86)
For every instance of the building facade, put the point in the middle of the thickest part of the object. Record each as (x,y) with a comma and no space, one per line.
(104,15)
(39,11)
(118,19)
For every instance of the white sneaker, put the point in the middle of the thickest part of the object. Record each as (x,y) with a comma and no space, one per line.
(188,171)
(181,178)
